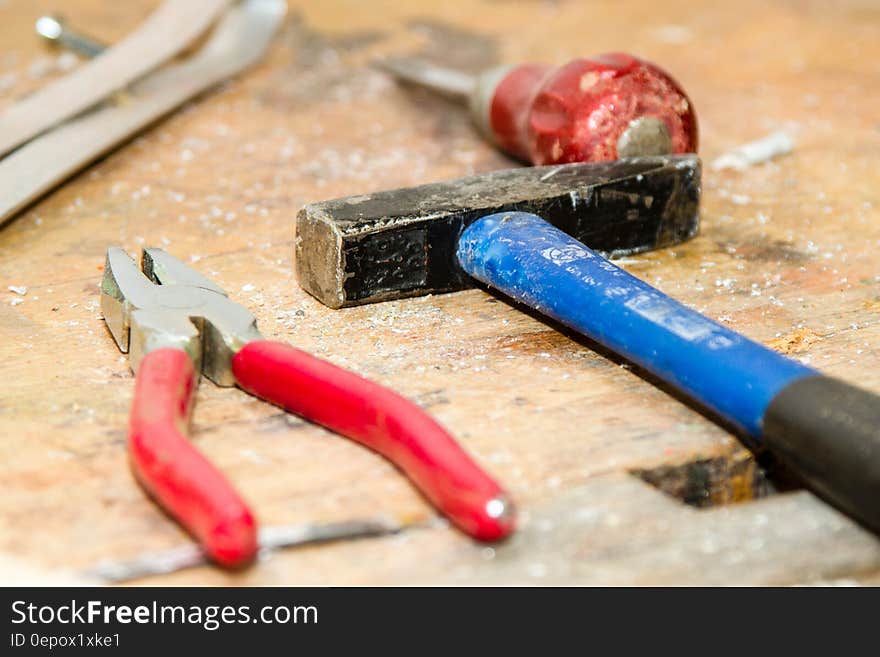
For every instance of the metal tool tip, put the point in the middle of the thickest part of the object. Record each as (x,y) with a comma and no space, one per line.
(439,78)
(400,68)
(49,27)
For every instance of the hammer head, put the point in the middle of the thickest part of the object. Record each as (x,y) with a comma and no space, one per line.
(402,243)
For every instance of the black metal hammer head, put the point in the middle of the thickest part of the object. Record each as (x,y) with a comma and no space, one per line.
(401,243)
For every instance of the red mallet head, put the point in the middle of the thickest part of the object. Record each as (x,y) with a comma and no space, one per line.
(589,110)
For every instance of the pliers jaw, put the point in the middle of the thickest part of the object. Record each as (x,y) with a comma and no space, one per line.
(170,305)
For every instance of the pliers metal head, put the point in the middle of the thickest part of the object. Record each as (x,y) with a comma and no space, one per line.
(170,305)
(175,323)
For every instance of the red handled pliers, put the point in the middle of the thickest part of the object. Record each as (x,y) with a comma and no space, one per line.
(175,324)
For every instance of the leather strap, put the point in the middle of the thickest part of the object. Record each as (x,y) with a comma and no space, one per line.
(170,29)
(238,41)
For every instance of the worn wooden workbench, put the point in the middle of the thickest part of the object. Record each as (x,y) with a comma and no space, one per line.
(787,255)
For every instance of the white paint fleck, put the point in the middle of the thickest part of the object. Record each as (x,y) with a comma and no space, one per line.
(755,152)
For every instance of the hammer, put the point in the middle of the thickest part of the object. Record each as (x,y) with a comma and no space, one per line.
(524,232)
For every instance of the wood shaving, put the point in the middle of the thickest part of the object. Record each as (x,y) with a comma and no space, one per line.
(795,342)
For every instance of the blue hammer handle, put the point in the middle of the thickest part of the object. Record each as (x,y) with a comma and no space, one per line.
(827,430)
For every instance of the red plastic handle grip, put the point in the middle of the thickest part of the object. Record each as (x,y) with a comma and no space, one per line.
(578,112)
(172,469)
(383,421)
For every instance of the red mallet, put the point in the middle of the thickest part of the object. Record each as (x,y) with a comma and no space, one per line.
(589,110)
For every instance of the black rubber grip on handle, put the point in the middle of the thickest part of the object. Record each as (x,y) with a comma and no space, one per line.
(828,432)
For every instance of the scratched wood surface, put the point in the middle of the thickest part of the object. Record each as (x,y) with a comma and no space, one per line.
(787,255)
